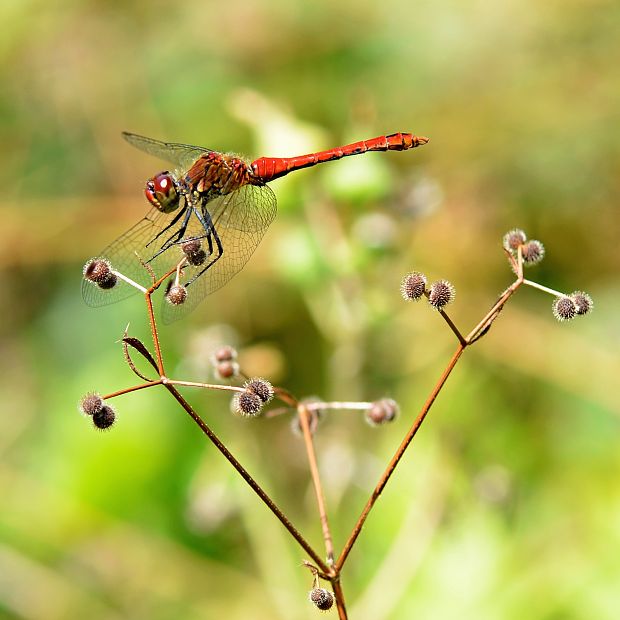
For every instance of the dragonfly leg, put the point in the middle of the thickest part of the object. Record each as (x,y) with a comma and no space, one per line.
(205,220)
(176,218)
(175,237)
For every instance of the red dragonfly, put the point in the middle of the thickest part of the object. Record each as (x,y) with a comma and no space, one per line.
(208,215)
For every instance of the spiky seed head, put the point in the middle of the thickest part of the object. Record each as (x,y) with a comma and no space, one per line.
(583,302)
(91,403)
(441,294)
(96,270)
(109,282)
(533,252)
(247,403)
(261,387)
(564,308)
(99,271)
(197,258)
(513,239)
(104,418)
(226,370)
(224,354)
(176,295)
(191,246)
(413,286)
(323,599)
(382,411)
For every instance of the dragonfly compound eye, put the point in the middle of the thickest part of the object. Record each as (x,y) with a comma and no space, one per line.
(161,192)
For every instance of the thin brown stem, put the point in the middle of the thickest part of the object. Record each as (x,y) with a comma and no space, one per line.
(158,356)
(493,313)
(285,396)
(248,478)
(448,320)
(133,388)
(339,594)
(304,421)
(397,456)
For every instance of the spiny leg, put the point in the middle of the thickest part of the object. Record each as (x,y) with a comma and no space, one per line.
(176,236)
(176,218)
(206,221)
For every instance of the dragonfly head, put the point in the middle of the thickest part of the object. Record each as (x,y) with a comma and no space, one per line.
(161,192)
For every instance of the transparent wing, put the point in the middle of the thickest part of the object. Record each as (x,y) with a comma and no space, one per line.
(182,155)
(240,220)
(125,255)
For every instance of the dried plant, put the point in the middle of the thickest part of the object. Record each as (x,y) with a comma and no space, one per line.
(253,396)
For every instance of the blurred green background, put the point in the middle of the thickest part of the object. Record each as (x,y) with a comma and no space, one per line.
(508,503)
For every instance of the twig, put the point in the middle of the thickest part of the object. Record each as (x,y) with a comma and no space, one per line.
(396,458)
(546,289)
(339,594)
(248,478)
(209,386)
(134,388)
(304,421)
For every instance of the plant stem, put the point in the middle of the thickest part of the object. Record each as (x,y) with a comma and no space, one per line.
(248,478)
(339,594)
(208,386)
(142,386)
(158,357)
(546,289)
(304,420)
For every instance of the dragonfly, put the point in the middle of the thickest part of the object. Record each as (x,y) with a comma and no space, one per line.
(207,217)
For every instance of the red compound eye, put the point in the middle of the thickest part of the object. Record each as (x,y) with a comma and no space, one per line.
(161,192)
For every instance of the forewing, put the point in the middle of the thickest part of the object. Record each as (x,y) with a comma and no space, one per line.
(181,155)
(240,220)
(127,255)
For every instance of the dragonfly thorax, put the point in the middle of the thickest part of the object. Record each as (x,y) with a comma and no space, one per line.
(161,192)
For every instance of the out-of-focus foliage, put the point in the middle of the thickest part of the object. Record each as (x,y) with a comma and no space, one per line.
(508,504)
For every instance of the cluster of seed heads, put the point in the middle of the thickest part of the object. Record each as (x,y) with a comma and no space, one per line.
(533,251)
(439,294)
(323,599)
(256,393)
(94,406)
(99,272)
(567,307)
(382,411)
(224,362)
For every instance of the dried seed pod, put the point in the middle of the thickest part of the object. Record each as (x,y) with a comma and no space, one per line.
(104,418)
(413,286)
(441,294)
(323,599)
(225,354)
(261,387)
(91,403)
(176,295)
(226,370)
(533,252)
(513,239)
(247,403)
(564,308)
(99,271)
(191,246)
(382,411)
(583,302)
